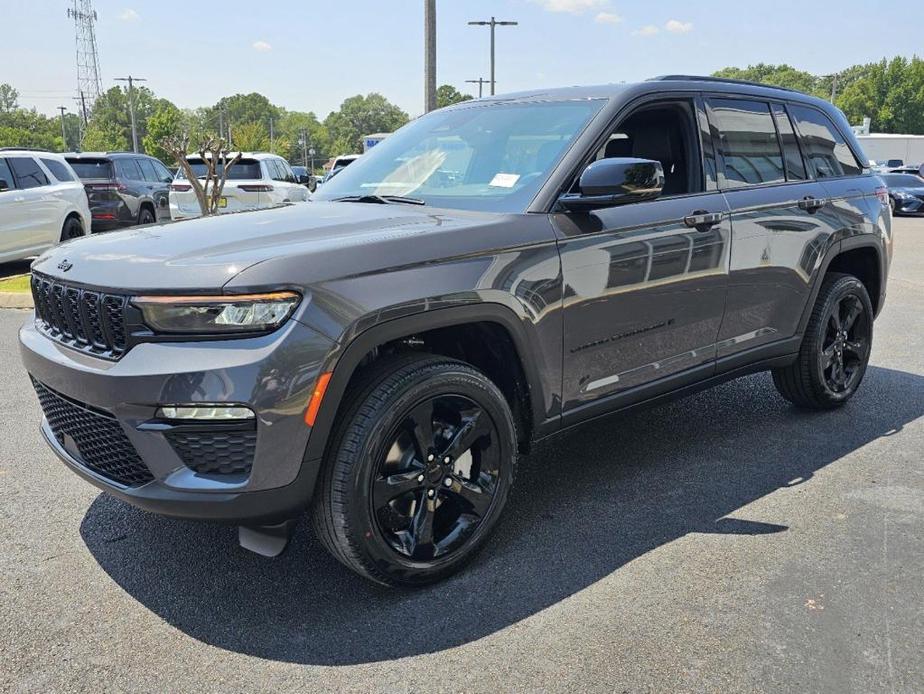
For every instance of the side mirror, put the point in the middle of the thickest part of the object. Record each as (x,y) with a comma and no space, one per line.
(616,181)
(312,184)
(302,179)
(4,185)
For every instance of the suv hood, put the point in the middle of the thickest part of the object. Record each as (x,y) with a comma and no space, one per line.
(204,254)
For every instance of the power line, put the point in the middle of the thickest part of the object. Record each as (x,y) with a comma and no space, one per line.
(493,23)
(131,105)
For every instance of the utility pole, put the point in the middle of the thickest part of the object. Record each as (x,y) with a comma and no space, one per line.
(62,109)
(272,138)
(83,108)
(480,82)
(833,87)
(131,105)
(429,55)
(304,143)
(493,23)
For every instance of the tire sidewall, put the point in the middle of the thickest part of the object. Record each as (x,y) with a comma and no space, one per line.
(146,216)
(73,229)
(365,532)
(845,286)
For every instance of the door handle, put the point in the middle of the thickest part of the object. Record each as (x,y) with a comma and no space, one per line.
(812,204)
(701,220)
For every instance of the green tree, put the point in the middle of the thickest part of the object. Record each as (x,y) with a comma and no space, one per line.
(105,136)
(110,122)
(242,108)
(890,93)
(251,137)
(28,128)
(446,95)
(9,98)
(293,126)
(362,115)
(777,75)
(166,121)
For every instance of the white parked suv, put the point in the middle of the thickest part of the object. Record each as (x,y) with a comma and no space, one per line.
(42,202)
(258,179)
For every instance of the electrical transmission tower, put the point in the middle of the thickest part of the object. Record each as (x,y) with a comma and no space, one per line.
(89,85)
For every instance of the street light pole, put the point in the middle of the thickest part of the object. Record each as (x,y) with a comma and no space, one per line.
(493,23)
(62,109)
(429,55)
(131,105)
(480,82)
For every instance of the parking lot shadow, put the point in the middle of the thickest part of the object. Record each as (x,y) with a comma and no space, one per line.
(586,503)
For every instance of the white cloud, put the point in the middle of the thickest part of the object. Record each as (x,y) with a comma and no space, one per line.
(129,15)
(262,46)
(677,27)
(647,30)
(607,18)
(572,6)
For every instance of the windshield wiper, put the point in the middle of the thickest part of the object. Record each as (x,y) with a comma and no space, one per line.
(380,199)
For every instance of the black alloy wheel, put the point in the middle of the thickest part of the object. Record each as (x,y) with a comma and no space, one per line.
(437,477)
(845,347)
(146,216)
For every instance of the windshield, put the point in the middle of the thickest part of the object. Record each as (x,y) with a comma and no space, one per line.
(91,168)
(903,181)
(491,157)
(242,170)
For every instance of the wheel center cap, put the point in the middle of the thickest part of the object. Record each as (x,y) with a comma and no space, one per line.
(435,474)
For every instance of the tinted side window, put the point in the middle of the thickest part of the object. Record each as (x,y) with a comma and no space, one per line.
(795,167)
(825,150)
(28,173)
(7,175)
(163,173)
(747,139)
(147,170)
(58,170)
(128,169)
(277,170)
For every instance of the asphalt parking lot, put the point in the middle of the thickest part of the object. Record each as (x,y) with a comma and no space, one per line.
(725,542)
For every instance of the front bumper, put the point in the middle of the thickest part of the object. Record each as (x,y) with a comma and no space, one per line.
(273,375)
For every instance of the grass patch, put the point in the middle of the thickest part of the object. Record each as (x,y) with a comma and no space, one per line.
(15,284)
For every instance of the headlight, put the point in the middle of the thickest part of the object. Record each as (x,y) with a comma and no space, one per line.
(902,195)
(244,313)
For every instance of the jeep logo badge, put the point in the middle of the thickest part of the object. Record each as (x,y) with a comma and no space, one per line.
(64,266)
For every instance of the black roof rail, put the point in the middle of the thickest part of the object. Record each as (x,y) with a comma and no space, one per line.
(25,149)
(719,80)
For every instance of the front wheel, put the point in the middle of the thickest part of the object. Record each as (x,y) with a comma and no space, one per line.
(835,348)
(419,471)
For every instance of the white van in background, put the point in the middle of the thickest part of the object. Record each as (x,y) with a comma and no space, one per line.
(257,179)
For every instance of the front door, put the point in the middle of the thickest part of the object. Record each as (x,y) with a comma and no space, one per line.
(645,283)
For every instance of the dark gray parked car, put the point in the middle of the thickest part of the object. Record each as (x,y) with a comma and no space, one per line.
(489,275)
(123,188)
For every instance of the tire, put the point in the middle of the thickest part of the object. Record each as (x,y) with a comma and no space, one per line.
(385,489)
(832,360)
(146,216)
(72,229)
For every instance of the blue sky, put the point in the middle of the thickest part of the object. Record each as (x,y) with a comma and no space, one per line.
(310,55)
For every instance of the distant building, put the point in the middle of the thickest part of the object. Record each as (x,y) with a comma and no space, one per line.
(888,146)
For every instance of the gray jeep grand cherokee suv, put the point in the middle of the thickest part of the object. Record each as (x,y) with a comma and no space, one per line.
(491,274)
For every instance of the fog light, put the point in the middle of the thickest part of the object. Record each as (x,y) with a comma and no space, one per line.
(205,411)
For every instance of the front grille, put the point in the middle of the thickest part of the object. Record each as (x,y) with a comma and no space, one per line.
(102,445)
(87,320)
(219,452)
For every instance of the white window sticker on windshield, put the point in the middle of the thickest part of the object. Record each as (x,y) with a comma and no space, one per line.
(504,180)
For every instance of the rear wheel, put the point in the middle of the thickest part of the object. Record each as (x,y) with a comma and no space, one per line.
(146,216)
(835,348)
(418,473)
(72,229)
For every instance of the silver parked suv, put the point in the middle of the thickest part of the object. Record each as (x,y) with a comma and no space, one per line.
(489,275)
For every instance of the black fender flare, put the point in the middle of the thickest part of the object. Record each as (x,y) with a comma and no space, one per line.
(846,244)
(344,364)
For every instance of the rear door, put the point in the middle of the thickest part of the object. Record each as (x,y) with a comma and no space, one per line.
(780,220)
(157,186)
(41,226)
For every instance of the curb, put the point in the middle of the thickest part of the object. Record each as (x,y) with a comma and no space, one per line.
(16,300)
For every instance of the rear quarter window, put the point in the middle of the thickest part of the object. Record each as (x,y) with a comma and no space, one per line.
(58,170)
(6,174)
(825,149)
